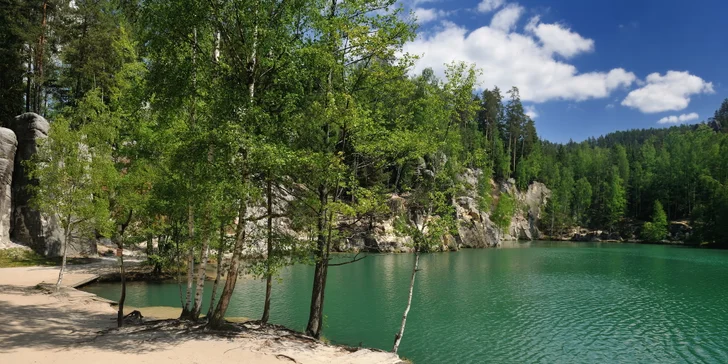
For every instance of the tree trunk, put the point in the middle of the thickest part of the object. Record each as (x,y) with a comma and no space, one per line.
(218,317)
(218,275)
(176,258)
(67,240)
(120,314)
(398,337)
(268,271)
(150,244)
(201,275)
(315,317)
(186,310)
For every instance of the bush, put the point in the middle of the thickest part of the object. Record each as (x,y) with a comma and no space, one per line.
(504,211)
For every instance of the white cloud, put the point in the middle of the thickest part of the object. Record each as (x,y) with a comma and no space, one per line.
(674,119)
(427,15)
(507,17)
(670,92)
(558,39)
(531,112)
(508,58)
(487,6)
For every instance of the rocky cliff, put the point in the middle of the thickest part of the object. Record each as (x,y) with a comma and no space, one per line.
(19,221)
(475,229)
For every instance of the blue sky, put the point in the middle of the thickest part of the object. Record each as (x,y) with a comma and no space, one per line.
(586,68)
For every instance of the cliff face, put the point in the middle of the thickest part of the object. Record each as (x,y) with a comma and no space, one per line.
(475,229)
(19,221)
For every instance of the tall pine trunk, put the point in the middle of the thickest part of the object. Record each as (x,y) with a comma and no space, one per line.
(398,337)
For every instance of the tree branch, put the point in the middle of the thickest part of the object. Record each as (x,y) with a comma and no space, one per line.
(349,262)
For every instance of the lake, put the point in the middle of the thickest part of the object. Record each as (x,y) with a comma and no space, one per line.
(545,302)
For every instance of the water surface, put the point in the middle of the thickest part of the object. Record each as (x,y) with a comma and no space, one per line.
(548,302)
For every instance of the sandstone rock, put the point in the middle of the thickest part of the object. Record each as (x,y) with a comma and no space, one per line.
(8,146)
(28,226)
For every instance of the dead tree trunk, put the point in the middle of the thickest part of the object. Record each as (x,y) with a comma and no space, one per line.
(398,337)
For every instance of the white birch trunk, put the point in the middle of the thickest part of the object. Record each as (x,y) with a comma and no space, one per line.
(398,338)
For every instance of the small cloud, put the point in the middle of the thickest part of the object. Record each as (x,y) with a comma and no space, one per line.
(487,6)
(559,39)
(531,112)
(609,106)
(506,18)
(674,119)
(670,92)
(427,15)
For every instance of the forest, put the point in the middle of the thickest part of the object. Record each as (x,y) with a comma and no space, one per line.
(181,121)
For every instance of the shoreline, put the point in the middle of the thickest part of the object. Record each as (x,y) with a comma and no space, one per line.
(73,326)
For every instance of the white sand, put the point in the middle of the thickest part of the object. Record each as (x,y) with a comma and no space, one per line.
(63,328)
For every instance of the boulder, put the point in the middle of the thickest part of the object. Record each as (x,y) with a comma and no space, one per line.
(8,146)
(28,226)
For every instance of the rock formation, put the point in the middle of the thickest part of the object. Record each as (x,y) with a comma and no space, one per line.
(475,228)
(8,146)
(27,225)
(524,223)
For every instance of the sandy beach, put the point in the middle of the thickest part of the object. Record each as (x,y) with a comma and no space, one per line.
(71,327)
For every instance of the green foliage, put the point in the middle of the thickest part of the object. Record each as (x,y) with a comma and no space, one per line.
(503,211)
(656,230)
(20,257)
(485,192)
(429,228)
(71,169)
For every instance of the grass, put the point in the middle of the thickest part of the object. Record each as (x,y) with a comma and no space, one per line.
(18,257)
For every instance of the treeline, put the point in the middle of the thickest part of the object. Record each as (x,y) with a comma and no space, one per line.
(616,181)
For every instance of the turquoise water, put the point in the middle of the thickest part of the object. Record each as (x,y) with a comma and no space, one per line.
(542,302)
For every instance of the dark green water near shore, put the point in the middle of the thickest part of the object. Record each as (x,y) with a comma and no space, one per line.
(544,302)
